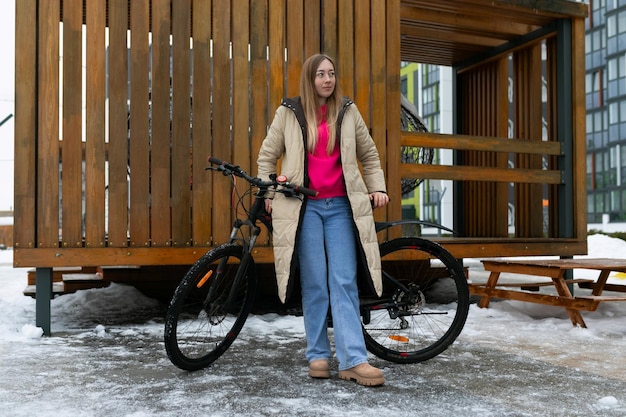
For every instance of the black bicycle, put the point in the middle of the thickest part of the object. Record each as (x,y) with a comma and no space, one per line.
(421,312)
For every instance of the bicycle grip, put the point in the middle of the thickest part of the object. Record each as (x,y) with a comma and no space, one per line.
(305,191)
(216,161)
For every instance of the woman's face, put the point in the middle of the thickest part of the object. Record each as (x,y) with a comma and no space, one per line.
(324,80)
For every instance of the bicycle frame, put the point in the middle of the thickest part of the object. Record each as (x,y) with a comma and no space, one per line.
(257,212)
(413,321)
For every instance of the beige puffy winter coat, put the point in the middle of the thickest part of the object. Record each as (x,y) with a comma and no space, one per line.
(285,139)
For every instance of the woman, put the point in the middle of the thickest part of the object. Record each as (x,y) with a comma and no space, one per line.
(321,138)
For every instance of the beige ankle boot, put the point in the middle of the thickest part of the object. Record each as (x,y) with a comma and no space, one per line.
(363,374)
(319,369)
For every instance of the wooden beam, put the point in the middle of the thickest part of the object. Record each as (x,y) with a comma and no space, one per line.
(471,173)
(478,143)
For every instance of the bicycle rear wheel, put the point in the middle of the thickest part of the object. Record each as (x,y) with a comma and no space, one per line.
(424,305)
(209,308)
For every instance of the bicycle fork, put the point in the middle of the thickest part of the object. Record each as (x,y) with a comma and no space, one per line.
(242,271)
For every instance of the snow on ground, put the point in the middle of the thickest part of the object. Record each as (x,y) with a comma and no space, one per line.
(106,357)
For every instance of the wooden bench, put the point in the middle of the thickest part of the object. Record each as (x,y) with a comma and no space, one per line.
(554,269)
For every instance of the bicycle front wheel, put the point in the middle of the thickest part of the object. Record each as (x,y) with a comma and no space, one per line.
(424,305)
(209,307)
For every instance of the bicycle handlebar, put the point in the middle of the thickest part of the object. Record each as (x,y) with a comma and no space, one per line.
(287,188)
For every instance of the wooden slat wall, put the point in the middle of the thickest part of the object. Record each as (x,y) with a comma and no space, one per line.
(181,113)
(484,112)
(133,142)
(578,111)
(47,133)
(259,95)
(133,150)
(72,158)
(160,171)
(527,81)
(118,141)
(551,115)
(202,184)
(95,158)
(241,91)
(139,124)
(221,141)
(391,152)
(25,161)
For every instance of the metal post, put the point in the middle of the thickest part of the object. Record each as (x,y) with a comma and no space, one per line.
(43,295)
(565,133)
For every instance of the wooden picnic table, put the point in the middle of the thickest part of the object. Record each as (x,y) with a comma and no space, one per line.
(554,269)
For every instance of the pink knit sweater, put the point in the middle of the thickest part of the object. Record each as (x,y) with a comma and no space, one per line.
(325,172)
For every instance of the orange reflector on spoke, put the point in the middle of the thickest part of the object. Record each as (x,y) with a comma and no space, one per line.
(204,279)
(398,338)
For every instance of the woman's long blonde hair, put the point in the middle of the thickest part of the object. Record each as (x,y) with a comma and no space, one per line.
(311,106)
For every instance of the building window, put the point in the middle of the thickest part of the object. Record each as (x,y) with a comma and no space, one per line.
(593,88)
(621,22)
(615,201)
(614,177)
(613,113)
(590,184)
(600,171)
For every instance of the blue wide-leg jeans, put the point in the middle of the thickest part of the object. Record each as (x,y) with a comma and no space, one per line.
(328,263)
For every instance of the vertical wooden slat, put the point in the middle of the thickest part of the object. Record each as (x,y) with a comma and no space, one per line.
(160,172)
(528,123)
(363,66)
(48,126)
(379,91)
(390,150)
(295,45)
(221,114)
(244,152)
(312,29)
(552,114)
(519,131)
(118,124)
(483,157)
(469,188)
(578,129)
(502,128)
(181,134)
(139,125)
(202,200)
(330,22)
(276,38)
(72,172)
(378,79)
(25,124)
(468,109)
(489,157)
(261,109)
(95,235)
(345,46)
(484,95)
(260,106)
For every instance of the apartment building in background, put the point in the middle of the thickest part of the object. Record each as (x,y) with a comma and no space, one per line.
(429,88)
(605,88)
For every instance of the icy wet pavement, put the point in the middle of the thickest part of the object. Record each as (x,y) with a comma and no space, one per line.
(122,370)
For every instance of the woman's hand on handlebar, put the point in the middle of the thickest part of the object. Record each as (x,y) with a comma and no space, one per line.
(379,199)
(268,205)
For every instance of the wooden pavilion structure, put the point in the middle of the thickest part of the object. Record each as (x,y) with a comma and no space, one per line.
(110,150)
